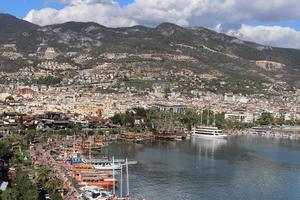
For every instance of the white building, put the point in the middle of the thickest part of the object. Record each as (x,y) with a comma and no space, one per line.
(229,98)
(240,117)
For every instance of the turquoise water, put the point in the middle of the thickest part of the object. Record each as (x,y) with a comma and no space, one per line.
(237,168)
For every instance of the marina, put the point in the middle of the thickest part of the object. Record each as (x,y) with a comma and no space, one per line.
(84,177)
(103,170)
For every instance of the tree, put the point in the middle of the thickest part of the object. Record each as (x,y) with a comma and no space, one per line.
(207,117)
(53,184)
(123,119)
(31,194)
(118,119)
(30,135)
(129,120)
(3,150)
(190,119)
(279,120)
(140,112)
(56,196)
(43,175)
(151,117)
(266,119)
(49,80)
(22,188)
(9,194)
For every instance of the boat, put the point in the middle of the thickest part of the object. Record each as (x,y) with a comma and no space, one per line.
(95,193)
(79,175)
(208,132)
(98,181)
(167,135)
(164,136)
(82,167)
(98,142)
(131,137)
(261,131)
(97,164)
(180,137)
(74,160)
(106,165)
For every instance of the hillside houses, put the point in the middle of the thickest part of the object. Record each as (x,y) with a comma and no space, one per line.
(84,102)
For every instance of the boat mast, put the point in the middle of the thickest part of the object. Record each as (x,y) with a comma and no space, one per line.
(165,125)
(214,124)
(74,144)
(201,117)
(90,153)
(121,182)
(114,183)
(207,117)
(127,179)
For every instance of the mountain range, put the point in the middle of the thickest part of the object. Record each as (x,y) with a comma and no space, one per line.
(202,50)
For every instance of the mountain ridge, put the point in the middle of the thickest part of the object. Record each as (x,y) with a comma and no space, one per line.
(196,48)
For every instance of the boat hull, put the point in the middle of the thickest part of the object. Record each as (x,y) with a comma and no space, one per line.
(223,136)
(103,184)
(107,168)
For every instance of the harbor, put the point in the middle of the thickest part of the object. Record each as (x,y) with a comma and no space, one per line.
(107,169)
(83,176)
(141,162)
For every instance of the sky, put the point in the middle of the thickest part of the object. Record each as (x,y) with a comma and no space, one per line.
(269,22)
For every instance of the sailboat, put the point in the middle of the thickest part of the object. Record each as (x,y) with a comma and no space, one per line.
(97,164)
(168,131)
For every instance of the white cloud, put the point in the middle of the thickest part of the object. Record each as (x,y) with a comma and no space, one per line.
(86,2)
(229,13)
(105,14)
(269,35)
(222,14)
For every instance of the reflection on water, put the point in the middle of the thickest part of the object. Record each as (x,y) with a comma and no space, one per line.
(207,147)
(245,168)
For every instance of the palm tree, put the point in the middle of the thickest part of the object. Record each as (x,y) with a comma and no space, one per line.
(43,175)
(53,184)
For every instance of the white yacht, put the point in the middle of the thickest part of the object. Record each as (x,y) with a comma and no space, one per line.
(106,165)
(95,193)
(208,132)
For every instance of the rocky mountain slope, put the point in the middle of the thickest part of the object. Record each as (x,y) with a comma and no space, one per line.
(167,46)
(11,27)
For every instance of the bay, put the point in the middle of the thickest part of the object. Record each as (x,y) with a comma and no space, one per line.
(236,168)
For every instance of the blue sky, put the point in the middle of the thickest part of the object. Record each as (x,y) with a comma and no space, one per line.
(271,22)
(292,24)
(20,8)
